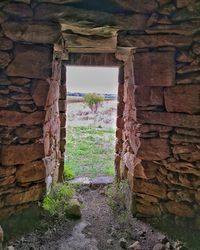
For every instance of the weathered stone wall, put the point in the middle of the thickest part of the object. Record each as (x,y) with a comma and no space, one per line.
(163,166)
(158,124)
(27,92)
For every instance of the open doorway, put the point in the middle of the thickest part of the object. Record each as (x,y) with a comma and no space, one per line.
(91,130)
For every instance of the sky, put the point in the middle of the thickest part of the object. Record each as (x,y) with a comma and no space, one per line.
(102,80)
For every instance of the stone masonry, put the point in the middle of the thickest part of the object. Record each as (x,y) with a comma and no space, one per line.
(158,123)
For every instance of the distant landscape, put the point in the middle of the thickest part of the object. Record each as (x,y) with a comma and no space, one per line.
(90,136)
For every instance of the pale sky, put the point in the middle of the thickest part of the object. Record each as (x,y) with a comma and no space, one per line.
(92,79)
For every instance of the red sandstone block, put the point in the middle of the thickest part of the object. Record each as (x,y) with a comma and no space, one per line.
(183,99)
(154,68)
(14,118)
(32,194)
(169,119)
(30,172)
(21,154)
(147,96)
(154,149)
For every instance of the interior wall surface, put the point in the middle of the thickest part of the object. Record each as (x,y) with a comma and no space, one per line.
(158,146)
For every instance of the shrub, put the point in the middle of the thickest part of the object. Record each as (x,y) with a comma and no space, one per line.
(93,101)
(55,202)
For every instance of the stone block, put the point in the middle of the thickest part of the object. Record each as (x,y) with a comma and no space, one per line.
(183,99)
(19,89)
(3,17)
(14,118)
(5,43)
(29,133)
(4,59)
(19,80)
(34,193)
(191,157)
(63,92)
(21,154)
(183,3)
(7,180)
(151,210)
(154,128)
(18,10)
(154,68)
(6,101)
(33,171)
(120,122)
(62,105)
(39,92)
(158,40)
(141,6)
(183,149)
(62,119)
(169,119)
(141,186)
(7,171)
(63,133)
(147,96)
(177,139)
(192,132)
(32,32)
(179,208)
(120,109)
(183,168)
(154,149)
(31,61)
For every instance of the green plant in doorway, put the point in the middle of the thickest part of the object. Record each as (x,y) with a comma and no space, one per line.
(58,199)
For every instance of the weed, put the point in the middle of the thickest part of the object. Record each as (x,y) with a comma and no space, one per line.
(55,202)
(116,199)
(68,173)
(116,195)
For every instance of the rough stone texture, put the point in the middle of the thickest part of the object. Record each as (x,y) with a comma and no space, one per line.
(32,194)
(148,72)
(154,149)
(33,32)
(18,10)
(147,96)
(36,65)
(4,59)
(158,116)
(169,119)
(14,118)
(21,154)
(184,99)
(30,172)
(39,91)
(146,41)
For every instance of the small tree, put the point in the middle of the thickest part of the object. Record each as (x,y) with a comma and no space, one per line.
(93,101)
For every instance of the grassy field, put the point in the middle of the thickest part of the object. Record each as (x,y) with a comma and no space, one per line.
(90,140)
(90,151)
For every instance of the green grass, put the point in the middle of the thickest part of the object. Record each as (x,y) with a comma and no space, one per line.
(90,151)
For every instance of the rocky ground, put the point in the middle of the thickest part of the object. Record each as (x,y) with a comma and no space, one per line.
(100,228)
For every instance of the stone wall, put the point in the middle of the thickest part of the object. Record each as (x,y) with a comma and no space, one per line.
(27,114)
(163,166)
(158,124)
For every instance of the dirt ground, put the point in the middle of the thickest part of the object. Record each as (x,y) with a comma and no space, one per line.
(98,229)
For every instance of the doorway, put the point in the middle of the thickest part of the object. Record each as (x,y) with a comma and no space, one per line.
(91,121)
